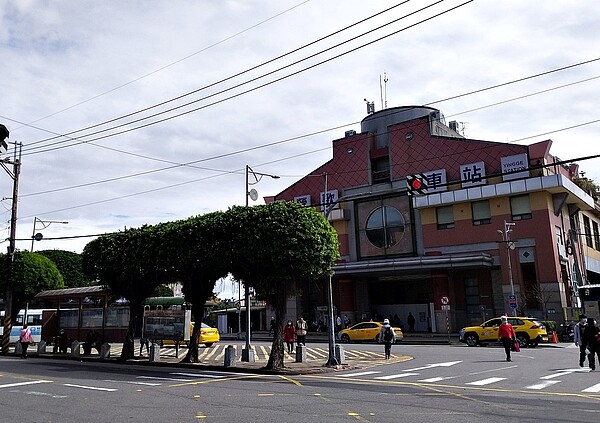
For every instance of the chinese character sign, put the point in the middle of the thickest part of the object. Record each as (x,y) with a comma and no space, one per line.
(436,181)
(472,174)
(329,200)
(303,199)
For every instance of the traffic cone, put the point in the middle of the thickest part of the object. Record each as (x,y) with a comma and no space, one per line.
(554,337)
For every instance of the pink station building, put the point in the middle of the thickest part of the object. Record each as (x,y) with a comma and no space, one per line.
(496,228)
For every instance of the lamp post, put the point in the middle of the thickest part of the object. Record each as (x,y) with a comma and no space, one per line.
(510,245)
(247,354)
(45,224)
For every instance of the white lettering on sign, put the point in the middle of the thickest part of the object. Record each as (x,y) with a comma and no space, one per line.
(514,167)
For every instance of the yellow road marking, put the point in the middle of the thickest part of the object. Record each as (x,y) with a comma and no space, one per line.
(295,382)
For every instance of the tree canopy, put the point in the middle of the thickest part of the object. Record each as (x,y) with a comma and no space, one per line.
(70,266)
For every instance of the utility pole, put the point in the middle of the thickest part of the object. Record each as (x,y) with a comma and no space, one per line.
(14,174)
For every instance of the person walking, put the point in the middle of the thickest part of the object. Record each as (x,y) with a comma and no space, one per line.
(301,330)
(25,339)
(387,336)
(506,335)
(272,326)
(289,334)
(591,342)
(411,322)
(578,338)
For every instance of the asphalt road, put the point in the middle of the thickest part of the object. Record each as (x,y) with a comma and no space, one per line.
(451,383)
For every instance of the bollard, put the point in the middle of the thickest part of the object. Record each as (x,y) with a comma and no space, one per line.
(76,349)
(248,355)
(230,357)
(41,347)
(104,351)
(300,353)
(339,354)
(154,352)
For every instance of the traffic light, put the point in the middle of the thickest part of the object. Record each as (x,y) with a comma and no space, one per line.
(417,183)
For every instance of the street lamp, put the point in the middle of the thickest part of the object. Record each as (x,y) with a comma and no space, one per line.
(247,354)
(510,245)
(45,224)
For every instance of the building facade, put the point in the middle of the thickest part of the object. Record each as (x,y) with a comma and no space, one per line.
(499,228)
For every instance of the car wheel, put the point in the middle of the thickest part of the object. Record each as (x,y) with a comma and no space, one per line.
(471,339)
(345,338)
(377,339)
(523,340)
(208,344)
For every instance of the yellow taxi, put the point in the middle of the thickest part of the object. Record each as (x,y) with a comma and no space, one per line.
(208,335)
(366,331)
(529,331)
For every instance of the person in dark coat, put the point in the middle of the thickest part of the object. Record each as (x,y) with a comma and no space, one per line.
(591,343)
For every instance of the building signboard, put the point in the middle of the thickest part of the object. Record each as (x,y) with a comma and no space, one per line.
(514,167)
(472,174)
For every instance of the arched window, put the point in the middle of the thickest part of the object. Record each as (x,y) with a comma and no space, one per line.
(385,227)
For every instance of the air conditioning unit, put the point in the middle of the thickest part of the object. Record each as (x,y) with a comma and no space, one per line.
(350,133)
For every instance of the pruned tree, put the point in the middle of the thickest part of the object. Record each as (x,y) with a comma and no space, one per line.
(133,263)
(70,267)
(275,246)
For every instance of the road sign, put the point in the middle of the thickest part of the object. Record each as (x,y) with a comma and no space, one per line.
(445,300)
(238,305)
(512,301)
(446,307)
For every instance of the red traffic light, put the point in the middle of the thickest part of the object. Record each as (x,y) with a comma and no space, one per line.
(416,184)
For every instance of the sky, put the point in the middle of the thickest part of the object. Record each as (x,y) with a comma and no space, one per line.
(140,112)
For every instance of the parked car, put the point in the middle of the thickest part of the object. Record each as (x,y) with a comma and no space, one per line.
(529,332)
(366,331)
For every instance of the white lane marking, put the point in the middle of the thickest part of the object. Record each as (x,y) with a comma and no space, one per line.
(31,382)
(133,382)
(360,374)
(543,385)
(41,394)
(593,388)
(93,388)
(437,379)
(493,370)
(197,375)
(487,381)
(431,366)
(165,378)
(564,372)
(396,376)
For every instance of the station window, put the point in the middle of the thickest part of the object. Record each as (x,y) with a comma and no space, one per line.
(520,207)
(445,217)
(385,227)
(481,212)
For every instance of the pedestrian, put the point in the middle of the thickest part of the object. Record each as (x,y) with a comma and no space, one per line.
(25,339)
(578,338)
(301,330)
(591,341)
(411,322)
(387,336)
(272,326)
(144,342)
(338,323)
(506,335)
(346,321)
(289,334)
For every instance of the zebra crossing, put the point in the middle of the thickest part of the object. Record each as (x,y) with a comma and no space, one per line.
(537,383)
(216,353)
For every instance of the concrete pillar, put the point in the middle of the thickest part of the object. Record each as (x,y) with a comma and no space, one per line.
(339,354)
(230,356)
(248,355)
(41,347)
(76,349)
(154,352)
(300,353)
(104,351)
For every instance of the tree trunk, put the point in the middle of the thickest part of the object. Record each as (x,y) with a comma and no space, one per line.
(277,351)
(128,350)
(197,314)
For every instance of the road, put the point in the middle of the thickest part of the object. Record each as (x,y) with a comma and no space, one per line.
(439,383)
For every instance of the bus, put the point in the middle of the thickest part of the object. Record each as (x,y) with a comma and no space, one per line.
(34,323)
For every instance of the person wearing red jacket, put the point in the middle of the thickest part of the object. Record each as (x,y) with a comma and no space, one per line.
(289,334)
(506,335)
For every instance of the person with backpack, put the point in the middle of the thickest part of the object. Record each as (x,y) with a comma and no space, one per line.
(25,339)
(387,336)
(578,338)
(591,340)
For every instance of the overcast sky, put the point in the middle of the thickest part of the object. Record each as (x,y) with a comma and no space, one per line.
(177,102)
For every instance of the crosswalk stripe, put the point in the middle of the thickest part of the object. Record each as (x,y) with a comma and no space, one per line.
(543,385)
(487,381)
(434,379)
(389,377)
(31,382)
(594,388)
(360,374)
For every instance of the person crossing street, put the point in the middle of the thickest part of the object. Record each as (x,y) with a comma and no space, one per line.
(387,336)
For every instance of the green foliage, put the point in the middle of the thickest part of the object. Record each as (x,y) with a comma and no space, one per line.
(29,274)
(162,291)
(588,185)
(70,267)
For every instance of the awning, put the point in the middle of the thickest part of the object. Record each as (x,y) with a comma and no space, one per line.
(81,292)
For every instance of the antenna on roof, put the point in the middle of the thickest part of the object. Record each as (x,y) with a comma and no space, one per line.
(370,107)
(385,80)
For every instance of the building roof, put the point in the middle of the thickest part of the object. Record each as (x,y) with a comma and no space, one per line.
(84,291)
